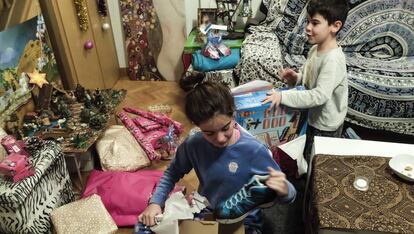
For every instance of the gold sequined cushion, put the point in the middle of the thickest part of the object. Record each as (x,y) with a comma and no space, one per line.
(85,216)
(3,152)
(119,151)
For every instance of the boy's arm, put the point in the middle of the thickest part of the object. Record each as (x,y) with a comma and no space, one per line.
(330,76)
(302,68)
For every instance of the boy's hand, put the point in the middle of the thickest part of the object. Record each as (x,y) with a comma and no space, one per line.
(273,97)
(277,182)
(289,76)
(147,217)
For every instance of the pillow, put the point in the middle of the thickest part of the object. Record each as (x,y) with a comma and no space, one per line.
(3,153)
(124,194)
(204,64)
(87,215)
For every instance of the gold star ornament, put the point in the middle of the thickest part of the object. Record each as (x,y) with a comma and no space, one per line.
(37,78)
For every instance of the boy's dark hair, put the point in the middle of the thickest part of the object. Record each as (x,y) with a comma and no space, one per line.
(331,10)
(207,100)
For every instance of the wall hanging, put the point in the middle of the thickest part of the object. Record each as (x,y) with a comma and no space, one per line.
(143,39)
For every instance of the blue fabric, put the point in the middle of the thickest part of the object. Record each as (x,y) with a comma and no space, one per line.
(204,64)
(140,228)
(221,171)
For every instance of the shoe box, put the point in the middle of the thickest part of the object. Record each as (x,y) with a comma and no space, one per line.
(271,127)
(209,226)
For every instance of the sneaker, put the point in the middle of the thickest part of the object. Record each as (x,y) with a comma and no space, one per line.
(140,228)
(254,194)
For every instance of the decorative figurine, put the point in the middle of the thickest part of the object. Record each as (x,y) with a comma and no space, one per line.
(37,78)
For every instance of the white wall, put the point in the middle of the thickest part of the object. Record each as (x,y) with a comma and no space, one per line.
(117,30)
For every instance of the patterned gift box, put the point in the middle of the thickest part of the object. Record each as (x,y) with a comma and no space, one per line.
(86,216)
(25,206)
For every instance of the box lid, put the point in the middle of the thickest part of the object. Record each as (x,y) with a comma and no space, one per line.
(251,100)
(14,194)
(254,99)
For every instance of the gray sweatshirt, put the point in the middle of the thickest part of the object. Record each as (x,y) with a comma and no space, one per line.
(326,97)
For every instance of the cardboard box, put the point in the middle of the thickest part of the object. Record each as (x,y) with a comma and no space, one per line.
(209,227)
(270,127)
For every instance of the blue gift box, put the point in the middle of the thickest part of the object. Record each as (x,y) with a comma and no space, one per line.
(271,127)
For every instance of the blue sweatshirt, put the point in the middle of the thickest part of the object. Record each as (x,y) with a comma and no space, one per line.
(221,171)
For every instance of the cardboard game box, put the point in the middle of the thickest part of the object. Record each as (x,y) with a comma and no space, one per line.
(210,227)
(271,127)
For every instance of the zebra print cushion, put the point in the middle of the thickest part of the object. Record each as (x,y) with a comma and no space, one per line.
(25,206)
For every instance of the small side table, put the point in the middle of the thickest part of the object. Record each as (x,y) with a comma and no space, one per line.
(77,165)
(191,45)
(338,205)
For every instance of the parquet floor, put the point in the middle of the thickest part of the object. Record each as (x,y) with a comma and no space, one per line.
(141,94)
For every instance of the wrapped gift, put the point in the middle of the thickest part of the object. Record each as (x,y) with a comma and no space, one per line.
(86,216)
(25,206)
(119,151)
(16,166)
(12,164)
(155,139)
(13,146)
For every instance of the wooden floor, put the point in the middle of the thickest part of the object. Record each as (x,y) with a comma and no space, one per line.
(141,94)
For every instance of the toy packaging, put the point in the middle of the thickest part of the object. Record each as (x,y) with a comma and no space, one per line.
(16,166)
(271,127)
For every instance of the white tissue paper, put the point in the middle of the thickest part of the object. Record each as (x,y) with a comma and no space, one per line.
(295,149)
(177,208)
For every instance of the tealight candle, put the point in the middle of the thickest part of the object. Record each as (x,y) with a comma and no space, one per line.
(361,184)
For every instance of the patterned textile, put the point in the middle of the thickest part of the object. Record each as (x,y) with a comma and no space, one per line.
(381,64)
(387,205)
(377,40)
(261,58)
(143,39)
(25,206)
(262,53)
(222,76)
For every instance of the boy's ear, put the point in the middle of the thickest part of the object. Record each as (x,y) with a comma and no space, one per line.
(336,26)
